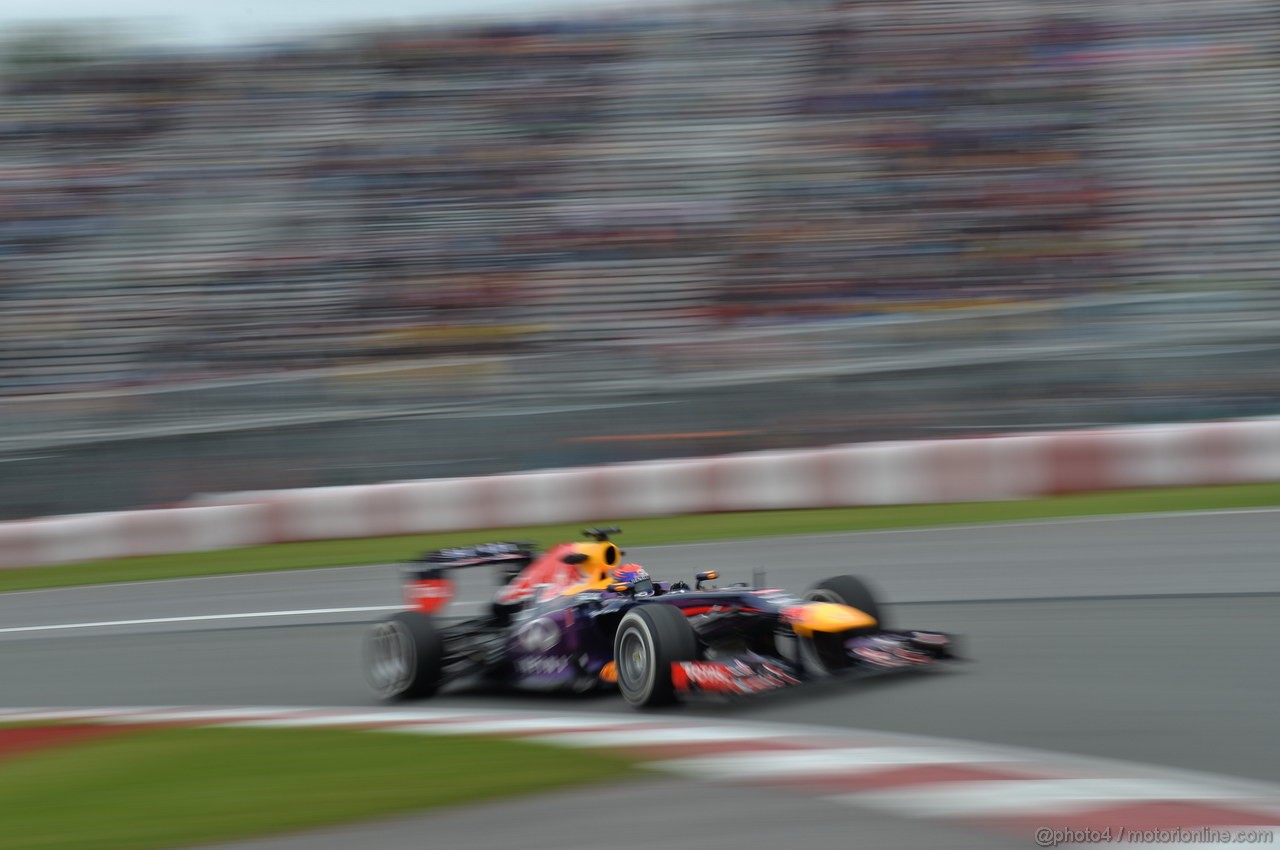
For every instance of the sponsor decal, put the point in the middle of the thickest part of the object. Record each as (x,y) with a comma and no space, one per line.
(912,656)
(543,665)
(540,635)
(887,652)
(707,675)
(877,656)
(734,677)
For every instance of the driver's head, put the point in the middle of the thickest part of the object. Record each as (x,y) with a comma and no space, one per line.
(636,576)
(630,573)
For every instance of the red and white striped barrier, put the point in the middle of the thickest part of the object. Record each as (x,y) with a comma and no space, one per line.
(1029,795)
(1014,466)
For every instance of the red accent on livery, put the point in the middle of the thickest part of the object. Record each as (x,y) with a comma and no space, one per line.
(794,614)
(680,677)
(550,569)
(727,678)
(694,610)
(428,595)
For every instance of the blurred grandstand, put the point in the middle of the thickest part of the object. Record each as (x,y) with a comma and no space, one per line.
(907,216)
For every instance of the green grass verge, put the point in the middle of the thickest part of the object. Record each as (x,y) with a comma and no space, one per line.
(640,532)
(178,787)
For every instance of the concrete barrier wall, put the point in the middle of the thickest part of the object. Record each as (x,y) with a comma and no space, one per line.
(983,469)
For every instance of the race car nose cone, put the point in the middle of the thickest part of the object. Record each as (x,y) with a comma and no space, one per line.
(826,617)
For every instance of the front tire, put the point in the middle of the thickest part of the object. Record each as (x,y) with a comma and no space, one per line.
(851,591)
(650,638)
(826,652)
(404,656)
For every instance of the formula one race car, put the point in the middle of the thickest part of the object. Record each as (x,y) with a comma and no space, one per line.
(576,618)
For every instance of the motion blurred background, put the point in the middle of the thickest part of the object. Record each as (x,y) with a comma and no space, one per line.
(460,247)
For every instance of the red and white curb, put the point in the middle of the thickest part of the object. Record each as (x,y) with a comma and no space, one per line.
(1051,798)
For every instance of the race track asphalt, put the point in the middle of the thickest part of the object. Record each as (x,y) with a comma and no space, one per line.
(1182,554)
(1149,639)
(658,814)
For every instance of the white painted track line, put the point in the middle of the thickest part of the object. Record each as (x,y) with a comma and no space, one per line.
(662,736)
(197,618)
(1003,798)
(748,766)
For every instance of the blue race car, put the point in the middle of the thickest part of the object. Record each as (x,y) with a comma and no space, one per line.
(576,618)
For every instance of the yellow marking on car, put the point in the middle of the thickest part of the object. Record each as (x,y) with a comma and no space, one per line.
(827,617)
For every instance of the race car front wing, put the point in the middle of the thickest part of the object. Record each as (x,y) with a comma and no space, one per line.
(881,652)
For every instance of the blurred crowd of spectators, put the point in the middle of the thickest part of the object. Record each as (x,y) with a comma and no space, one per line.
(447,190)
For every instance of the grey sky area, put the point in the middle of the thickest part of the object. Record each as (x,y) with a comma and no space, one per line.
(213,24)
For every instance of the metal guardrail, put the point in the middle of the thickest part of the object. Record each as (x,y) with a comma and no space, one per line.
(1114,327)
(1137,359)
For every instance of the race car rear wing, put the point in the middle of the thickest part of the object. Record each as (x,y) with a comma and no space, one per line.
(428,587)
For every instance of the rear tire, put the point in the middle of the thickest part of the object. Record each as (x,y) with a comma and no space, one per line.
(650,638)
(404,656)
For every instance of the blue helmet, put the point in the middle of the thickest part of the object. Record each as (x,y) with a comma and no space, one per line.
(635,575)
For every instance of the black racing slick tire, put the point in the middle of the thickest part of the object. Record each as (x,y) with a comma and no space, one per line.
(851,591)
(404,656)
(649,639)
(826,653)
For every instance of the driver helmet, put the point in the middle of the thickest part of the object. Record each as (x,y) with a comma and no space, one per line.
(636,575)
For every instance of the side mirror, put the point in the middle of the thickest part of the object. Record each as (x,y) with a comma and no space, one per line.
(575,558)
(621,587)
(707,575)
